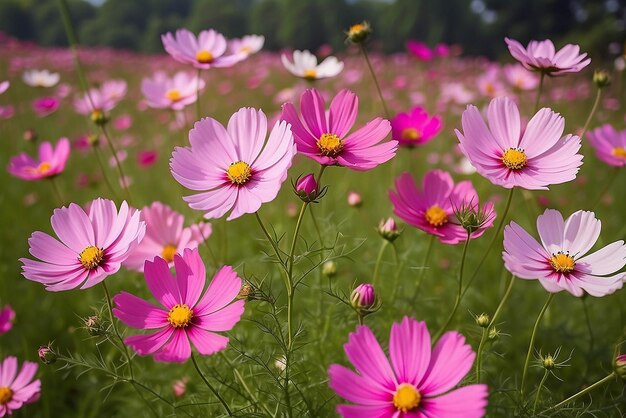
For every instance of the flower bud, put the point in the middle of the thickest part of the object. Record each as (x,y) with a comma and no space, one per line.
(548,362)
(329,269)
(359,32)
(30,135)
(363,297)
(306,188)
(93,140)
(46,355)
(473,217)
(388,229)
(601,78)
(246,292)
(179,387)
(94,326)
(620,366)
(494,333)
(98,117)
(354,199)
(482,320)
(281,363)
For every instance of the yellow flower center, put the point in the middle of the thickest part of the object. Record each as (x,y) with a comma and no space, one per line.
(562,262)
(490,88)
(97,115)
(355,29)
(310,74)
(406,398)
(436,216)
(168,253)
(42,168)
(179,316)
(514,159)
(91,257)
(239,172)
(245,49)
(411,134)
(204,57)
(619,152)
(329,145)
(173,95)
(6,394)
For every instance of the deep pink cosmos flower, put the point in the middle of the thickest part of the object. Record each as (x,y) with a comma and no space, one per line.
(7,316)
(163,92)
(507,155)
(206,51)
(51,161)
(45,106)
(541,56)
(323,136)
(559,261)
(610,145)
(165,236)
(17,390)
(146,158)
(92,246)
(418,382)
(234,168)
(186,317)
(415,128)
(432,208)
(419,50)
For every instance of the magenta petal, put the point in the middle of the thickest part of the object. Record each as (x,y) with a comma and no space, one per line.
(137,313)
(222,320)
(161,282)
(368,411)
(368,357)
(357,389)
(177,350)
(149,343)
(409,350)
(191,286)
(206,342)
(223,289)
(466,402)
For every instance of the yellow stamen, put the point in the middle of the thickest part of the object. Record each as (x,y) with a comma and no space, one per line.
(562,262)
(204,57)
(514,159)
(44,167)
(310,74)
(239,172)
(173,95)
(91,257)
(406,398)
(168,253)
(436,216)
(6,394)
(245,49)
(330,145)
(490,89)
(355,29)
(619,152)
(411,134)
(179,316)
(97,115)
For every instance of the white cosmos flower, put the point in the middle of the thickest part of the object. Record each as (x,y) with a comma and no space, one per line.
(305,65)
(248,45)
(40,78)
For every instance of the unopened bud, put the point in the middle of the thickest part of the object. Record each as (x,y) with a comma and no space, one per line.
(30,135)
(359,32)
(179,387)
(246,292)
(94,326)
(482,320)
(46,355)
(388,229)
(329,269)
(601,78)
(494,333)
(363,297)
(306,188)
(620,366)
(354,199)
(548,362)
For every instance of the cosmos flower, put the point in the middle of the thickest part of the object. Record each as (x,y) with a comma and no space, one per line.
(415,128)
(305,65)
(17,389)
(51,162)
(419,50)
(45,106)
(520,78)
(186,314)
(432,208)
(234,167)
(248,45)
(206,51)
(559,261)
(507,155)
(418,382)
(163,92)
(489,83)
(541,56)
(7,316)
(92,245)
(323,135)
(165,236)
(99,101)
(4,86)
(610,145)
(40,78)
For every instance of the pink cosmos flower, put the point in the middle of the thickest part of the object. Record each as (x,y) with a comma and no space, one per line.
(51,161)
(146,158)
(187,316)
(323,136)
(4,86)
(541,56)
(489,83)
(93,244)
(17,390)
(418,382)
(432,208)
(610,145)
(45,106)
(7,316)
(206,51)
(162,92)
(234,168)
(101,100)
(7,112)
(507,155)
(165,236)
(559,261)
(520,78)
(420,50)
(415,128)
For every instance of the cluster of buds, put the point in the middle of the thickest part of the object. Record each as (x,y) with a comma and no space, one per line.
(472,217)
(388,229)
(307,189)
(363,300)
(359,32)
(601,78)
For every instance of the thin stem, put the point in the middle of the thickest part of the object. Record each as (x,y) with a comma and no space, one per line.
(360,318)
(123,178)
(532,342)
(606,188)
(117,332)
(485,334)
(380,93)
(56,190)
(104,171)
(244,385)
(543,380)
(582,392)
(459,294)
(290,274)
(269,238)
(198,95)
(592,113)
(378,260)
(539,91)
(588,321)
(429,251)
(211,388)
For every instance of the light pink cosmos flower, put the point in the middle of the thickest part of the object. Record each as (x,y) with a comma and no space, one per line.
(40,78)
(163,92)
(4,86)
(187,316)
(323,136)
(432,208)
(610,145)
(489,83)
(165,236)
(45,106)
(234,168)
(101,100)
(305,65)
(93,244)
(559,261)
(541,56)
(520,78)
(507,155)
(206,51)
(7,316)
(415,128)
(51,161)
(248,45)
(418,382)
(17,390)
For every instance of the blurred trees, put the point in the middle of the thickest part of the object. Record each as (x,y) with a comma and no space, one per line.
(479,26)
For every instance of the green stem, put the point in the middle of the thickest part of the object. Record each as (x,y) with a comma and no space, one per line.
(606,188)
(380,93)
(57,191)
(269,238)
(420,277)
(588,321)
(532,342)
(211,388)
(290,274)
(543,380)
(117,332)
(360,318)
(592,113)
(459,294)
(378,260)
(104,172)
(582,392)
(123,178)
(245,386)
(539,91)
